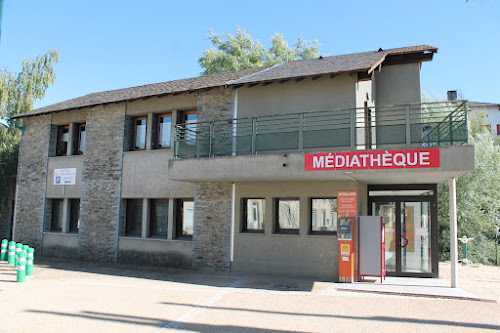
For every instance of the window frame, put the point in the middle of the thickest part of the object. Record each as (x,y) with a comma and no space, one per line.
(178,218)
(73,203)
(77,138)
(285,231)
(244,216)
(133,146)
(52,219)
(153,221)
(311,210)
(158,136)
(59,141)
(128,217)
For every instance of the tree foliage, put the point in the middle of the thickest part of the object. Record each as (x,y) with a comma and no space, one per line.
(18,92)
(241,51)
(478,198)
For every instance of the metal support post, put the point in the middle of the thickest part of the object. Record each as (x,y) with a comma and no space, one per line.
(452,183)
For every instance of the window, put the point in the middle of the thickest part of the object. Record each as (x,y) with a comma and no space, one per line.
(324,216)
(74,215)
(56,224)
(164,130)
(288,216)
(80,138)
(188,130)
(158,218)
(184,218)
(133,225)
(253,215)
(62,140)
(139,133)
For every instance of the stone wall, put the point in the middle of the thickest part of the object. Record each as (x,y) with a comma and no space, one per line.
(212,227)
(216,104)
(31,208)
(101,209)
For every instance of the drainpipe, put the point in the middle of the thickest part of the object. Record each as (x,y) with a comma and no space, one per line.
(452,183)
(233,215)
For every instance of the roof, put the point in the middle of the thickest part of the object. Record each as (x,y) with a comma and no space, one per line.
(329,65)
(358,62)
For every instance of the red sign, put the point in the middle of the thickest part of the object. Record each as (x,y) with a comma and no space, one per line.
(347,203)
(377,159)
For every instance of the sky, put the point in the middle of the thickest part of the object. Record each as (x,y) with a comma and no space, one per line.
(109,44)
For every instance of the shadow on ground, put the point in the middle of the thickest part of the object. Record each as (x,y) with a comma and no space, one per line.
(189,276)
(155,322)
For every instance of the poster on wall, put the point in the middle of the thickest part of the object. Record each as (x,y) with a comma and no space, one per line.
(65,176)
(347,203)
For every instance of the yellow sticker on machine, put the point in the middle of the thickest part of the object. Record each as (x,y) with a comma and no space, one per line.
(345,249)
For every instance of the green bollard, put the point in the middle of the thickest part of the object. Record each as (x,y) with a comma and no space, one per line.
(11,258)
(29,261)
(21,267)
(25,248)
(5,244)
(19,248)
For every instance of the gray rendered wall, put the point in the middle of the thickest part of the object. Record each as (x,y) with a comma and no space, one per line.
(101,204)
(308,255)
(31,210)
(322,94)
(395,85)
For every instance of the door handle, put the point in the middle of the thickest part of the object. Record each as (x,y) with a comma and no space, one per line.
(406,239)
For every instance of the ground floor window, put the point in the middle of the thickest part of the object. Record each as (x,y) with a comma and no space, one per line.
(133,223)
(74,215)
(253,215)
(324,216)
(56,224)
(158,218)
(287,215)
(184,218)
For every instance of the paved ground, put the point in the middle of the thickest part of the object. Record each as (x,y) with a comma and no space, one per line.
(69,296)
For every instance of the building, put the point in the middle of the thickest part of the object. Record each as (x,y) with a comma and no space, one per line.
(492,111)
(210,172)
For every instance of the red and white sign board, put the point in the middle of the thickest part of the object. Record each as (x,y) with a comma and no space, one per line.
(377,159)
(347,203)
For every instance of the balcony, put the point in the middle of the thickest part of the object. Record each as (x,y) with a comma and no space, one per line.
(401,126)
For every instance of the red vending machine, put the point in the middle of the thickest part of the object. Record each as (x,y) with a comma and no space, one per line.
(347,211)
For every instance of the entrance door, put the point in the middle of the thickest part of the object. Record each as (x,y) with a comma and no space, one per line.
(410,233)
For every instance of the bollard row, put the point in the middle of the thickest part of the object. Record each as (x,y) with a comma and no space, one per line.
(20,256)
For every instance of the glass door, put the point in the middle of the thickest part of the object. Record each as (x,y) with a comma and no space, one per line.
(415,246)
(410,245)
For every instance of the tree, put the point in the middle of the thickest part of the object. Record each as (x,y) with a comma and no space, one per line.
(231,53)
(478,198)
(18,92)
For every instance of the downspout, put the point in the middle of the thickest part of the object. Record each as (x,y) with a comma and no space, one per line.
(233,189)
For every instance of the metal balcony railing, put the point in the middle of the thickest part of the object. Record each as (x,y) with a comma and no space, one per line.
(410,126)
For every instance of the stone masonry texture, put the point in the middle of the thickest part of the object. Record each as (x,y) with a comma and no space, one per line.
(101,203)
(31,207)
(212,227)
(216,104)
(212,201)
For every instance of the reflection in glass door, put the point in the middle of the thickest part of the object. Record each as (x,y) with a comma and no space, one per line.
(415,237)
(388,211)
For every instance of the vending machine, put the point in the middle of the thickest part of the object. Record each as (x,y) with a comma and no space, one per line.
(345,232)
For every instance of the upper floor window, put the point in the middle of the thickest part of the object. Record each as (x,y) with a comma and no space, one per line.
(62,140)
(188,131)
(164,130)
(80,139)
(139,132)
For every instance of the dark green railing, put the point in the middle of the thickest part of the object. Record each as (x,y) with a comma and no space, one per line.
(412,125)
